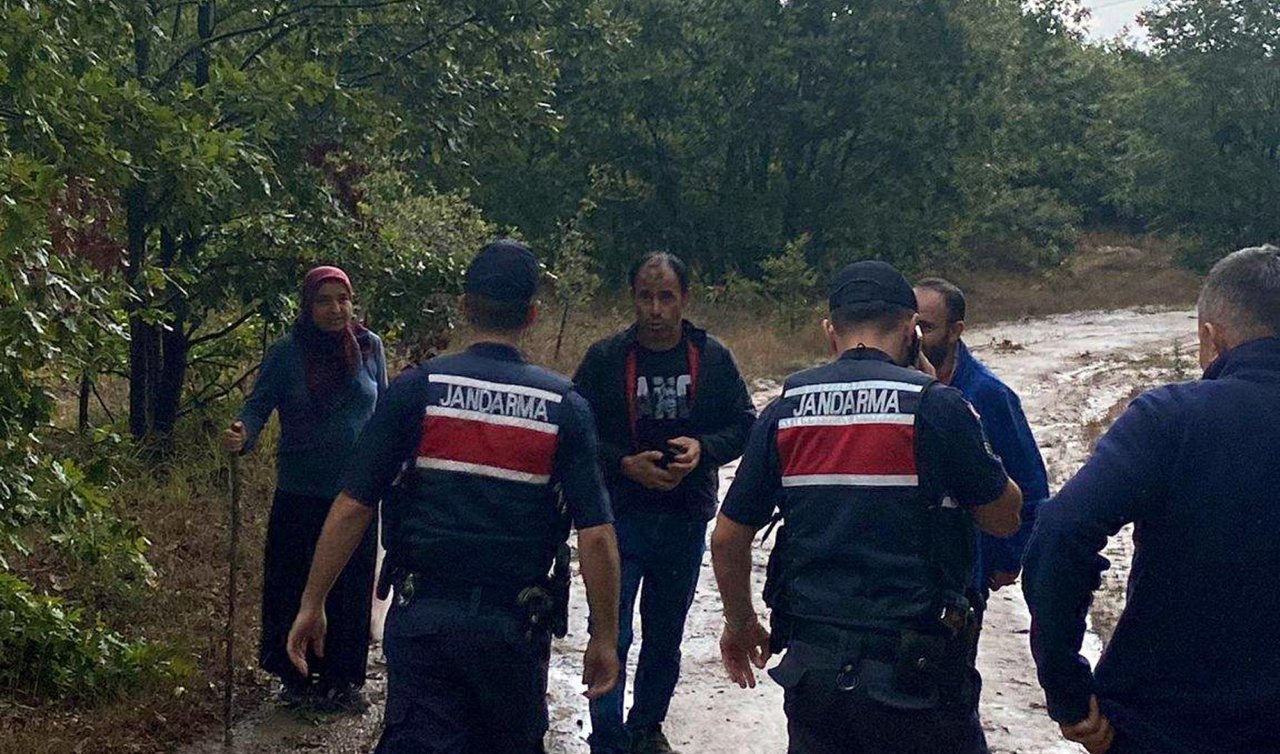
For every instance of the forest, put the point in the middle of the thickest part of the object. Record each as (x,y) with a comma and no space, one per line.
(170,168)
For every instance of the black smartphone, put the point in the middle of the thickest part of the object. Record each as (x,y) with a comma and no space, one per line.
(668,457)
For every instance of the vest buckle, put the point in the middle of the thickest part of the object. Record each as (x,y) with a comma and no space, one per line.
(539,609)
(848,679)
(954,618)
(406,588)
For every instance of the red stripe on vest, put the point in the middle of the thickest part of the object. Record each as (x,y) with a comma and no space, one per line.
(871,449)
(505,447)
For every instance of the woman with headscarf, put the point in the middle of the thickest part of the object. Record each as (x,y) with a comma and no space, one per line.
(324,379)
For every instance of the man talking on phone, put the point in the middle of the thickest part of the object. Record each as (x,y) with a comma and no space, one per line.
(671,408)
(879,475)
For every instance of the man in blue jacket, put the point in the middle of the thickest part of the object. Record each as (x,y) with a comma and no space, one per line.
(1194,665)
(942,314)
(671,408)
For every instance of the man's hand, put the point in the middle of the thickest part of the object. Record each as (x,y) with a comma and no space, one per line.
(307,633)
(233,439)
(688,455)
(1094,732)
(643,469)
(740,648)
(600,667)
(922,364)
(1000,579)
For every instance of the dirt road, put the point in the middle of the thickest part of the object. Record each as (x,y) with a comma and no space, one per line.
(1072,372)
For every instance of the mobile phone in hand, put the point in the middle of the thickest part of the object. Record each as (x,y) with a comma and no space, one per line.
(668,457)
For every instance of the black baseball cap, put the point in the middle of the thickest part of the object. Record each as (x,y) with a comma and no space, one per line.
(505,270)
(871,281)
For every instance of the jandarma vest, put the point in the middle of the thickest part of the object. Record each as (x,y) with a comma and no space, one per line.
(867,541)
(478,503)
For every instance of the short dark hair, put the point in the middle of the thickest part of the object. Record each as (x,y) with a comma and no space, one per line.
(675,263)
(491,315)
(881,315)
(1242,292)
(952,296)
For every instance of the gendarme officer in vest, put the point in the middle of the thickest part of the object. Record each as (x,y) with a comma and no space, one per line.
(878,474)
(482,461)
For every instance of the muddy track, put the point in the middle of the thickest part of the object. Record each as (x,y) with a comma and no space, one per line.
(1072,372)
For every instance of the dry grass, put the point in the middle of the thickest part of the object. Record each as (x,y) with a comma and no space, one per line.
(763,349)
(1108,271)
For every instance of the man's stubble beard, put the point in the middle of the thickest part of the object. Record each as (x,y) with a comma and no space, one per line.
(938,354)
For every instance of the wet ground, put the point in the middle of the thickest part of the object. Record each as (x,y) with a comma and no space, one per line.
(1073,373)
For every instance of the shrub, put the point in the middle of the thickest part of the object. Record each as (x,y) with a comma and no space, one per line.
(789,282)
(1023,229)
(51,650)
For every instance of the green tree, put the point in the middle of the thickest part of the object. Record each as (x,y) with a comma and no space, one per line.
(789,283)
(55,309)
(722,130)
(234,138)
(575,278)
(1206,158)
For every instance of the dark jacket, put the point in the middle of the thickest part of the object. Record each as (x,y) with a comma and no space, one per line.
(315,441)
(720,418)
(1194,664)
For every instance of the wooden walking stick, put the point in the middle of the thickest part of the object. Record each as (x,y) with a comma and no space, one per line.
(233,572)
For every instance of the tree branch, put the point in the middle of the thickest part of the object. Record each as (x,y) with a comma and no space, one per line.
(199,400)
(212,360)
(226,330)
(172,71)
(96,394)
(270,42)
(382,70)
(271,23)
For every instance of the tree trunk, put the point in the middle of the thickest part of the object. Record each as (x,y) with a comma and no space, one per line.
(137,230)
(141,334)
(564,320)
(86,392)
(172,344)
(138,382)
(204,30)
(144,373)
(172,373)
(158,356)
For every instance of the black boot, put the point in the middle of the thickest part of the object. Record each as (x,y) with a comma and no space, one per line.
(651,741)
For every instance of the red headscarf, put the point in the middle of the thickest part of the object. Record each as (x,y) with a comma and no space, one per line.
(332,359)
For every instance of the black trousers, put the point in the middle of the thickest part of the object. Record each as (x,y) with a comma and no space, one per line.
(823,719)
(844,694)
(292,532)
(463,679)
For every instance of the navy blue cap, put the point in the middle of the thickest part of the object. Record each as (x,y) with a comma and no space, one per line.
(871,281)
(505,270)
